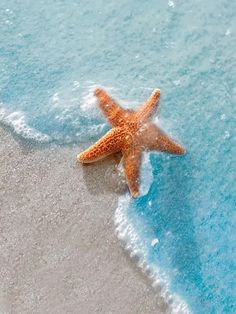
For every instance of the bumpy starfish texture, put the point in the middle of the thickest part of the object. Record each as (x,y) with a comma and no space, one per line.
(132,133)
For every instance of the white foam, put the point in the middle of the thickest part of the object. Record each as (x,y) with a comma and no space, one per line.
(226,135)
(17,121)
(154,242)
(171,4)
(133,241)
(147,179)
(89,101)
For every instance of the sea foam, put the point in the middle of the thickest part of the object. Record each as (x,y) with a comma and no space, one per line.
(17,122)
(137,237)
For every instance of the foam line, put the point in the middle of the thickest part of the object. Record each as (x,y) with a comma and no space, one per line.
(17,122)
(135,244)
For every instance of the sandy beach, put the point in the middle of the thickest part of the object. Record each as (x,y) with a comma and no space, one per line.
(59,250)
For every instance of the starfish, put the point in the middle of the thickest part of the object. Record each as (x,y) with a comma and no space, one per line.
(132,133)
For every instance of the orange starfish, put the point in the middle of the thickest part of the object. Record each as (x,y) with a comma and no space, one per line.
(132,133)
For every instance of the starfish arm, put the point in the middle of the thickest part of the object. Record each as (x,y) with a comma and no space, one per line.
(156,139)
(111,110)
(147,110)
(131,162)
(110,143)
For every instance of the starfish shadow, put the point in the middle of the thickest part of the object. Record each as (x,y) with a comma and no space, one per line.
(103,176)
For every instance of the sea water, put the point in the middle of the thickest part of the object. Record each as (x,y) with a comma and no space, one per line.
(54,53)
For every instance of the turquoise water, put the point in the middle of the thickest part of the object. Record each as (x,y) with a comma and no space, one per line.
(53,53)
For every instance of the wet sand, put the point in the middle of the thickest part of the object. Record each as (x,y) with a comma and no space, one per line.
(59,251)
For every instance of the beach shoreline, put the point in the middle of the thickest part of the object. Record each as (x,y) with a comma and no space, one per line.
(59,250)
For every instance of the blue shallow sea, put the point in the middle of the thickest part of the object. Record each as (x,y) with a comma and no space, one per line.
(53,53)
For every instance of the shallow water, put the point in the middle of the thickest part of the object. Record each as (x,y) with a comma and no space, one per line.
(53,54)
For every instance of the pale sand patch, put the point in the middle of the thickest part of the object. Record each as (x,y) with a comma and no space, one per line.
(59,251)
